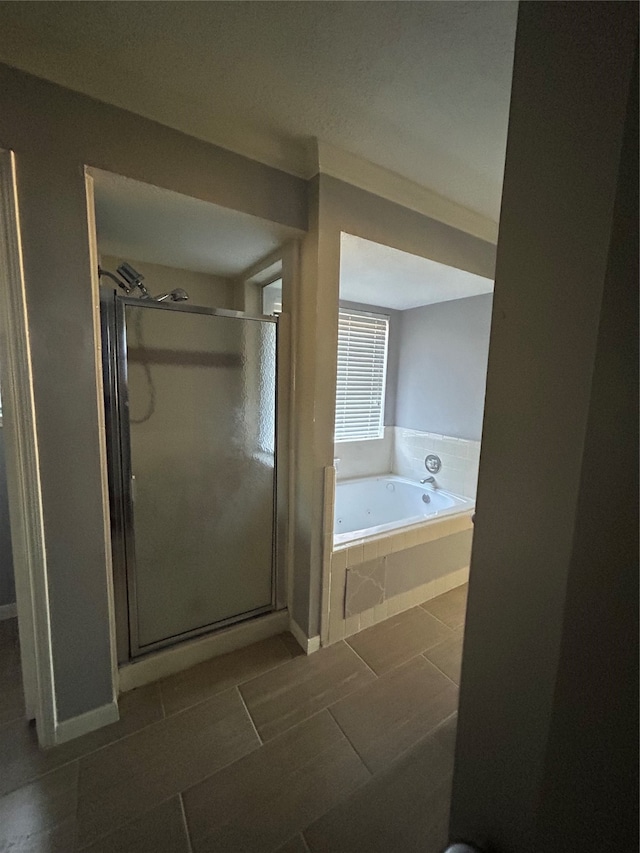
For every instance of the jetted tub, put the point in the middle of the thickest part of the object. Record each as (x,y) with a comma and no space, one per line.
(373,505)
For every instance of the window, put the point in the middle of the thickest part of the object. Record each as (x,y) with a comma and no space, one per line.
(362,368)
(272,298)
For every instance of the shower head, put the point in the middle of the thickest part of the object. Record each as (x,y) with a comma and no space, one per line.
(177,295)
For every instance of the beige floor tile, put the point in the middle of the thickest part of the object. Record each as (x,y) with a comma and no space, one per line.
(264,799)
(298,689)
(161,830)
(294,647)
(22,760)
(445,734)
(450,607)
(447,656)
(41,817)
(389,716)
(260,797)
(213,676)
(398,639)
(296,845)
(404,810)
(131,776)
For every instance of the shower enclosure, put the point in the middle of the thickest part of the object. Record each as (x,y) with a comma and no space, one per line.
(190,396)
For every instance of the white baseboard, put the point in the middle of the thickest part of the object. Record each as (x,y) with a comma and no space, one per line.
(84,723)
(8,611)
(169,661)
(309,645)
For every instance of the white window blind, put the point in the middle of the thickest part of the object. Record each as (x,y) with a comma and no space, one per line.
(362,368)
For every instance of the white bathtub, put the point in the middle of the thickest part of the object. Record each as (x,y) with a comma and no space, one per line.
(373,505)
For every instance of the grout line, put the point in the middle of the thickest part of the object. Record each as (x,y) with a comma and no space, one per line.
(249,678)
(346,642)
(33,779)
(437,618)
(353,747)
(421,654)
(161,697)
(424,655)
(446,720)
(85,754)
(78,758)
(230,686)
(405,752)
(193,784)
(244,705)
(91,752)
(186,825)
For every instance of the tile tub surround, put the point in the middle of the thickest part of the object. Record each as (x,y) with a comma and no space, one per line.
(350,766)
(364,458)
(375,578)
(460,458)
(402,452)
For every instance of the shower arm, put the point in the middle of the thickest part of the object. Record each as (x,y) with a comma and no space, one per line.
(115,278)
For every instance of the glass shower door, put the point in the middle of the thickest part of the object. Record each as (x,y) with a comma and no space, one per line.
(199,409)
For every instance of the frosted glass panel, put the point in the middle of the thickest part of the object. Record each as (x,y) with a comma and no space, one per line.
(201,392)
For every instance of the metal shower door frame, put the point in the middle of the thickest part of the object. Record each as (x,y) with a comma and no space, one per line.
(114,363)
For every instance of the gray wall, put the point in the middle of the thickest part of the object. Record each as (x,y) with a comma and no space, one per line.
(392,354)
(442,367)
(546,756)
(591,771)
(334,207)
(55,133)
(7,585)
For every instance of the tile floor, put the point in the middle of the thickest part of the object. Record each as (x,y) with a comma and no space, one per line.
(349,750)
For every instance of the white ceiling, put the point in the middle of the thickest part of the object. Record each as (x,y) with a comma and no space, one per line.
(420,88)
(379,275)
(147,223)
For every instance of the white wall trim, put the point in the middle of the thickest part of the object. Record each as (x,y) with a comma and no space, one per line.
(309,645)
(355,170)
(87,722)
(104,471)
(329,500)
(23,473)
(169,661)
(8,611)
(291,282)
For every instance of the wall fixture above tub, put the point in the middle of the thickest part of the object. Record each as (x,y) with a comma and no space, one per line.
(432,463)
